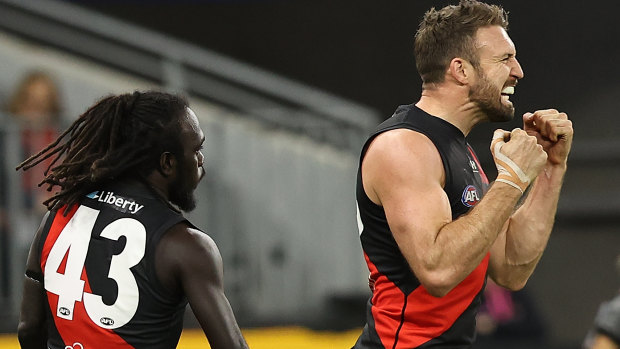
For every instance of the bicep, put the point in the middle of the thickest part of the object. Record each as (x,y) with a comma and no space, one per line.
(415,216)
(405,172)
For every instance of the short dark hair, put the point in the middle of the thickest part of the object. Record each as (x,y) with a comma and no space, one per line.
(450,32)
(120,136)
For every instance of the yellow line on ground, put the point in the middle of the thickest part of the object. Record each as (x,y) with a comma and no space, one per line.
(258,338)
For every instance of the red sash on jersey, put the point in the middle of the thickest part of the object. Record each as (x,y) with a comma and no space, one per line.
(81,332)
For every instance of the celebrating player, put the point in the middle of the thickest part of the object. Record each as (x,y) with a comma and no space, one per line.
(430,227)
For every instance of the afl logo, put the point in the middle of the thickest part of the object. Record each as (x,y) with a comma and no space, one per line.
(106,321)
(470,196)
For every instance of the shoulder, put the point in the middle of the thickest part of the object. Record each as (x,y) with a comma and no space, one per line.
(400,151)
(184,254)
(402,140)
(186,248)
(399,161)
(183,239)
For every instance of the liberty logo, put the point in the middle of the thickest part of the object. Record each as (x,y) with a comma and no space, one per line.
(118,202)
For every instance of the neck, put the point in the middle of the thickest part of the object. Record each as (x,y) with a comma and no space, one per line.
(159,191)
(452,105)
(155,182)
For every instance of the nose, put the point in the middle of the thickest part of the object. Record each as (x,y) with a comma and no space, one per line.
(516,70)
(201,159)
(203,172)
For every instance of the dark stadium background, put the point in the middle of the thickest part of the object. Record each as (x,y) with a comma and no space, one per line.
(362,50)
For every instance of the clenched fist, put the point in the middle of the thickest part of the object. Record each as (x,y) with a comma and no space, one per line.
(518,157)
(553,131)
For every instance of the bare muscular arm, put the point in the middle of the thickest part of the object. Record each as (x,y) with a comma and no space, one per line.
(189,261)
(402,171)
(525,236)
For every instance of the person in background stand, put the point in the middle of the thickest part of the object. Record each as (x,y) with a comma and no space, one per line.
(36,107)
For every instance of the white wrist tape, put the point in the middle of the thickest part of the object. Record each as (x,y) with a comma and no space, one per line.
(507,171)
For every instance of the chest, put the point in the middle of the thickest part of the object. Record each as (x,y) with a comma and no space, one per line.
(466,181)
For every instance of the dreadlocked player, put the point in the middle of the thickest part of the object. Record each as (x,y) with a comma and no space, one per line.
(114,263)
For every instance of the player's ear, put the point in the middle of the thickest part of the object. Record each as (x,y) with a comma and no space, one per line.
(167,164)
(460,70)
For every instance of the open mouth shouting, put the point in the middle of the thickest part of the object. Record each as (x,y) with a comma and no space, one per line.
(507,92)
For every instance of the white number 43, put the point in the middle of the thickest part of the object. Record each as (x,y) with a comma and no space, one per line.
(73,242)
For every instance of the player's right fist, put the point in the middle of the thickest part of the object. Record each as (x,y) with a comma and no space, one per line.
(518,157)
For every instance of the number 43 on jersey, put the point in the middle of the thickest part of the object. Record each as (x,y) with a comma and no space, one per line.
(73,243)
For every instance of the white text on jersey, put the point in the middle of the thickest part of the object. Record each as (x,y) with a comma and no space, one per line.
(109,198)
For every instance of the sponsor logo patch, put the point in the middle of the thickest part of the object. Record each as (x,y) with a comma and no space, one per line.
(117,202)
(470,196)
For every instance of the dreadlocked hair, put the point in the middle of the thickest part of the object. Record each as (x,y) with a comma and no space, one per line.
(119,136)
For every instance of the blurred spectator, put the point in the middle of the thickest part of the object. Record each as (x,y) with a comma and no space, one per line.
(35,109)
(507,317)
(35,105)
(605,333)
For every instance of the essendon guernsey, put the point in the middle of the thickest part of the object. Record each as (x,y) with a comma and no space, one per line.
(99,276)
(401,314)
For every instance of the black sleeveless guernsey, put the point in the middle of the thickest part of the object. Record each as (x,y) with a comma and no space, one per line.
(401,313)
(99,272)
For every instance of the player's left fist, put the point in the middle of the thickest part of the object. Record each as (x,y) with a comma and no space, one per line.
(553,130)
